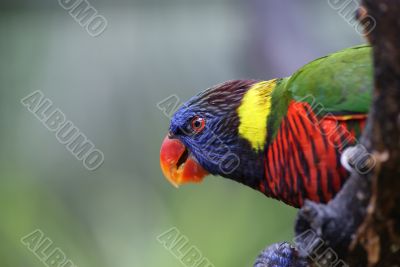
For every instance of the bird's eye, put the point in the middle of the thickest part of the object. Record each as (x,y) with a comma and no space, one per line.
(197,124)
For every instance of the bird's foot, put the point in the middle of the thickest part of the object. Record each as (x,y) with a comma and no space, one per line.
(357,158)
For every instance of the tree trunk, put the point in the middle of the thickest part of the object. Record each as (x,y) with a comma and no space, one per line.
(361,226)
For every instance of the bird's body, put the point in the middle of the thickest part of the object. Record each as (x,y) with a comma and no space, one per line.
(302,159)
(283,137)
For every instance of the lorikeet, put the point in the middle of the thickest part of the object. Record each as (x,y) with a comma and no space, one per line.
(282,137)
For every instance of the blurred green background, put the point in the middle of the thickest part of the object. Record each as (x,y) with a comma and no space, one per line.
(108,87)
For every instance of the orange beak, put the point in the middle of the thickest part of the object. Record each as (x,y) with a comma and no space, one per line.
(177,165)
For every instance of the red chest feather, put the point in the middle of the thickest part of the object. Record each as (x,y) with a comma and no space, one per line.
(303,160)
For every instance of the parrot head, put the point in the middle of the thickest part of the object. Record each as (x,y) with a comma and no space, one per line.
(204,138)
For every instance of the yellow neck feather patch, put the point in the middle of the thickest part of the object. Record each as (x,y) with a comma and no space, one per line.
(253,113)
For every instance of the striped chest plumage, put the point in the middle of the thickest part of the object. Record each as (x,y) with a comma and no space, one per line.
(303,160)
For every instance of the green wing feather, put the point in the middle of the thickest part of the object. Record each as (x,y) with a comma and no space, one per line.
(340,82)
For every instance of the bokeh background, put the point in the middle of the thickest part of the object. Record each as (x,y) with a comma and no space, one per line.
(109,86)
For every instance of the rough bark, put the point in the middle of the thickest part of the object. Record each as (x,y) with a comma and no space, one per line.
(361,226)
